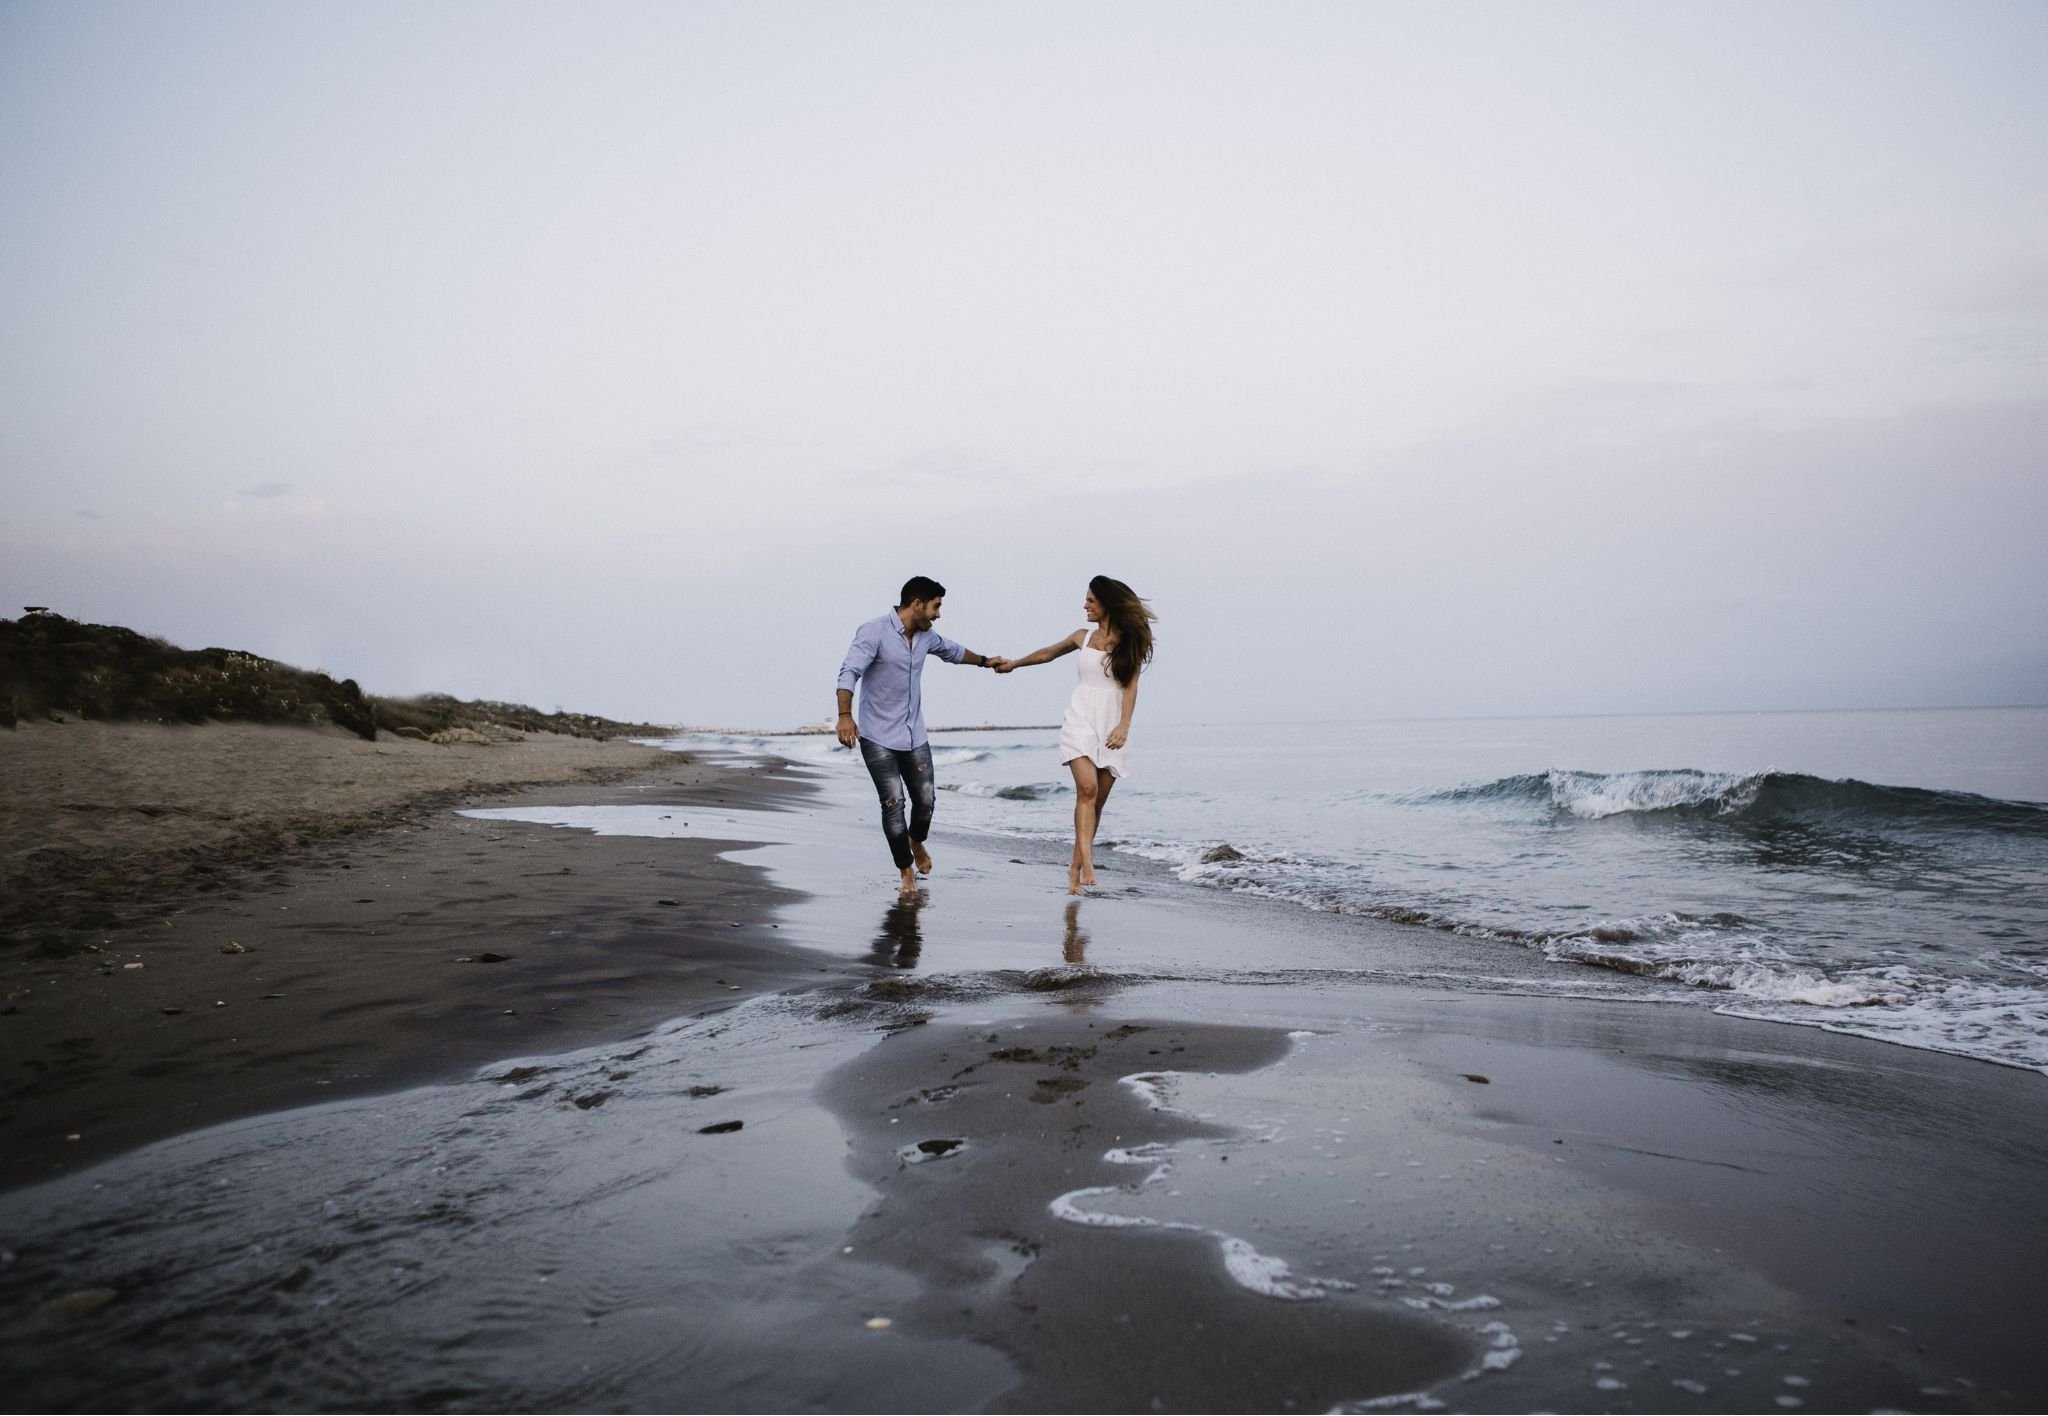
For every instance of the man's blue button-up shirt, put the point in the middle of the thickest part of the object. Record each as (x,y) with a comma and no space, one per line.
(889,667)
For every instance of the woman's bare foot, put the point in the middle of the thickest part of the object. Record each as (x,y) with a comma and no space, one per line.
(922,857)
(1073,880)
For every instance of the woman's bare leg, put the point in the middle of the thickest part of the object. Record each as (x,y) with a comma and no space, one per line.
(1104,781)
(1086,785)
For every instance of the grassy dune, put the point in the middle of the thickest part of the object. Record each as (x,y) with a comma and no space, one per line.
(53,667)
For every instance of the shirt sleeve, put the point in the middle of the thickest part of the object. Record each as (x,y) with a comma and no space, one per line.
(945,648)
(859,655)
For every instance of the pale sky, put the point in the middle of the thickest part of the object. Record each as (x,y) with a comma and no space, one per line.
(1411,358)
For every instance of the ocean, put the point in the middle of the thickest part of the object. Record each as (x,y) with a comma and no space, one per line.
(1883,874)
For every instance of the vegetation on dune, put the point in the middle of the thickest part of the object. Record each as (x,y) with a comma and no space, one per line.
(438,713)
(51,666)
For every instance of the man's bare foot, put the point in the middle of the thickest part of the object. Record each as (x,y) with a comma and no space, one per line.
(909,886)
(922,856)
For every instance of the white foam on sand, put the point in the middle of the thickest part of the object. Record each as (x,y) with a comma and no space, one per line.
(1273,1277)
(1503,1351)
(1155,1089)
(1262,1273)
(1418,1400)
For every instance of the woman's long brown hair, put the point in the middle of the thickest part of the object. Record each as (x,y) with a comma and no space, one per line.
(1131,620)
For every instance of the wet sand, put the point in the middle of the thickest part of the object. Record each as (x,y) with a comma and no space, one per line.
(990,1150)
(1619,1213)
(972,1134)
(376,938)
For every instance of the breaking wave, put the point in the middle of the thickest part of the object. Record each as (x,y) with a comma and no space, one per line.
(1748,796)
(1750,969)
(1029,791)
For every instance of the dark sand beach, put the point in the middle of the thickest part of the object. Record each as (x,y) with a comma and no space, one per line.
(773,1148)
(375,937)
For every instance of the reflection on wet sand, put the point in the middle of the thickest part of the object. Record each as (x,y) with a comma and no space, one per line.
(1075,948)
(901,938)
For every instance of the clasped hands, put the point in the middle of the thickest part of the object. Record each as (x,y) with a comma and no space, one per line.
(999,663)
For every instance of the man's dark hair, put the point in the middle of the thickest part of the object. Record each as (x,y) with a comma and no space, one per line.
(920,587)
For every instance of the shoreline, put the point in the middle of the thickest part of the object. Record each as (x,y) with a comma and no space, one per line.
(389,943)
(993,1149)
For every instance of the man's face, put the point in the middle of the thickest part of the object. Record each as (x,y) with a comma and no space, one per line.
(924,614)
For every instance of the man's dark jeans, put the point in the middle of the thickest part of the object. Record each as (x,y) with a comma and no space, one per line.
(900,777)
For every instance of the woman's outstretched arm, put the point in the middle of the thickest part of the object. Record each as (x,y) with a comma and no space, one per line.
(1121,733)
(1041,656)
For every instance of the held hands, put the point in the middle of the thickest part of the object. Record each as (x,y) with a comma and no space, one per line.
(1000,664)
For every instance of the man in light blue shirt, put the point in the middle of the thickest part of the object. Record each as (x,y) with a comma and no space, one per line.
(887,660)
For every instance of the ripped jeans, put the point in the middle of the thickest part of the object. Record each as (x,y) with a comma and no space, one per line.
(899,775)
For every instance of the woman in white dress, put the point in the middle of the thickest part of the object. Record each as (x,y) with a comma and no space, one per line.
(1115,645)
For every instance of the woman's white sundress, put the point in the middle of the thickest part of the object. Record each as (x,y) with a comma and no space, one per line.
(1095,709)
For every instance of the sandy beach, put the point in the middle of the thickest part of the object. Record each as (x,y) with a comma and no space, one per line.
(216,921)
(102,821)
(650,1094)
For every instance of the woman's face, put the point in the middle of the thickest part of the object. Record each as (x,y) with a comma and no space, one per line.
(1092,607)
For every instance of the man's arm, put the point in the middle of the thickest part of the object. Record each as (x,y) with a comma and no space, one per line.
(958,654)
(859,655)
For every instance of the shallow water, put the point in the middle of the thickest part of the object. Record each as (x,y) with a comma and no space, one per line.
(559,1233)
(1884,874)
(584,1232)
